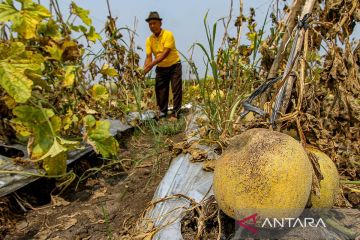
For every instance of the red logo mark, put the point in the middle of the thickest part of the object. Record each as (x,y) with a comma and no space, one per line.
(244,220)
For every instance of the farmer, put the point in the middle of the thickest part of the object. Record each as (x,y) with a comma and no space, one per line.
(161,44)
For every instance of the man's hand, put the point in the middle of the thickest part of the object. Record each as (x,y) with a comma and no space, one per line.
(150,64)
(148,67)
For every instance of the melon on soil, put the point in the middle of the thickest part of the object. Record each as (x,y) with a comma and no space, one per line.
(329,186)
(264,172)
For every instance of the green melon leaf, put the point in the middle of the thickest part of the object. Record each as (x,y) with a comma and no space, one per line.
(24,20)
(54,161)
(82,13)
(14,62)
(100,139)
(99,92)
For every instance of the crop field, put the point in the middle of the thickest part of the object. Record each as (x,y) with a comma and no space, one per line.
(270,122)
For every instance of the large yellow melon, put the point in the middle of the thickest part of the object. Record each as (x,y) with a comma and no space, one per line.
(263,172)
(329,186)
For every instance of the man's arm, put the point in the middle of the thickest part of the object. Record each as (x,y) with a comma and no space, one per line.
(148,60)
(149,64)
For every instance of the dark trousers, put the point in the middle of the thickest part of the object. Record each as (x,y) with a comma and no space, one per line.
(165,75)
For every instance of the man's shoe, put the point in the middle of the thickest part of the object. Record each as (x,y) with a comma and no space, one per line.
(178,114)
(172,118)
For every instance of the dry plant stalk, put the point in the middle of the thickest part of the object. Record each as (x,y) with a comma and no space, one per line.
(287,27)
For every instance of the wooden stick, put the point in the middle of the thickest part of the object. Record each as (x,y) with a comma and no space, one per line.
(289,24)
(289,83)
(303,72)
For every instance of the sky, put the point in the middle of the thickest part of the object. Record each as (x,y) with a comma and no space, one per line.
(184,18)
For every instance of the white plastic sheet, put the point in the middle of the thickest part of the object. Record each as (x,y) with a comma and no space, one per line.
(183,177)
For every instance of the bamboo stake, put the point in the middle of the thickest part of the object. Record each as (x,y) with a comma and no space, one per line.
(289,24)
(288,83)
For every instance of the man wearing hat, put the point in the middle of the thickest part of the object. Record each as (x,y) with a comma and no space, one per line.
(161,44)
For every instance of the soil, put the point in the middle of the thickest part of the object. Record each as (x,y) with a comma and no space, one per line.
(104,206)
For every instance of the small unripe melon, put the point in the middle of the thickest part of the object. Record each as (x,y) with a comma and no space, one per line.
(213,95)
(263,172)
(329,186)
(111,86)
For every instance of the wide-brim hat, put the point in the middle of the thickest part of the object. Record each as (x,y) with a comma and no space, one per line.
(153,16)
